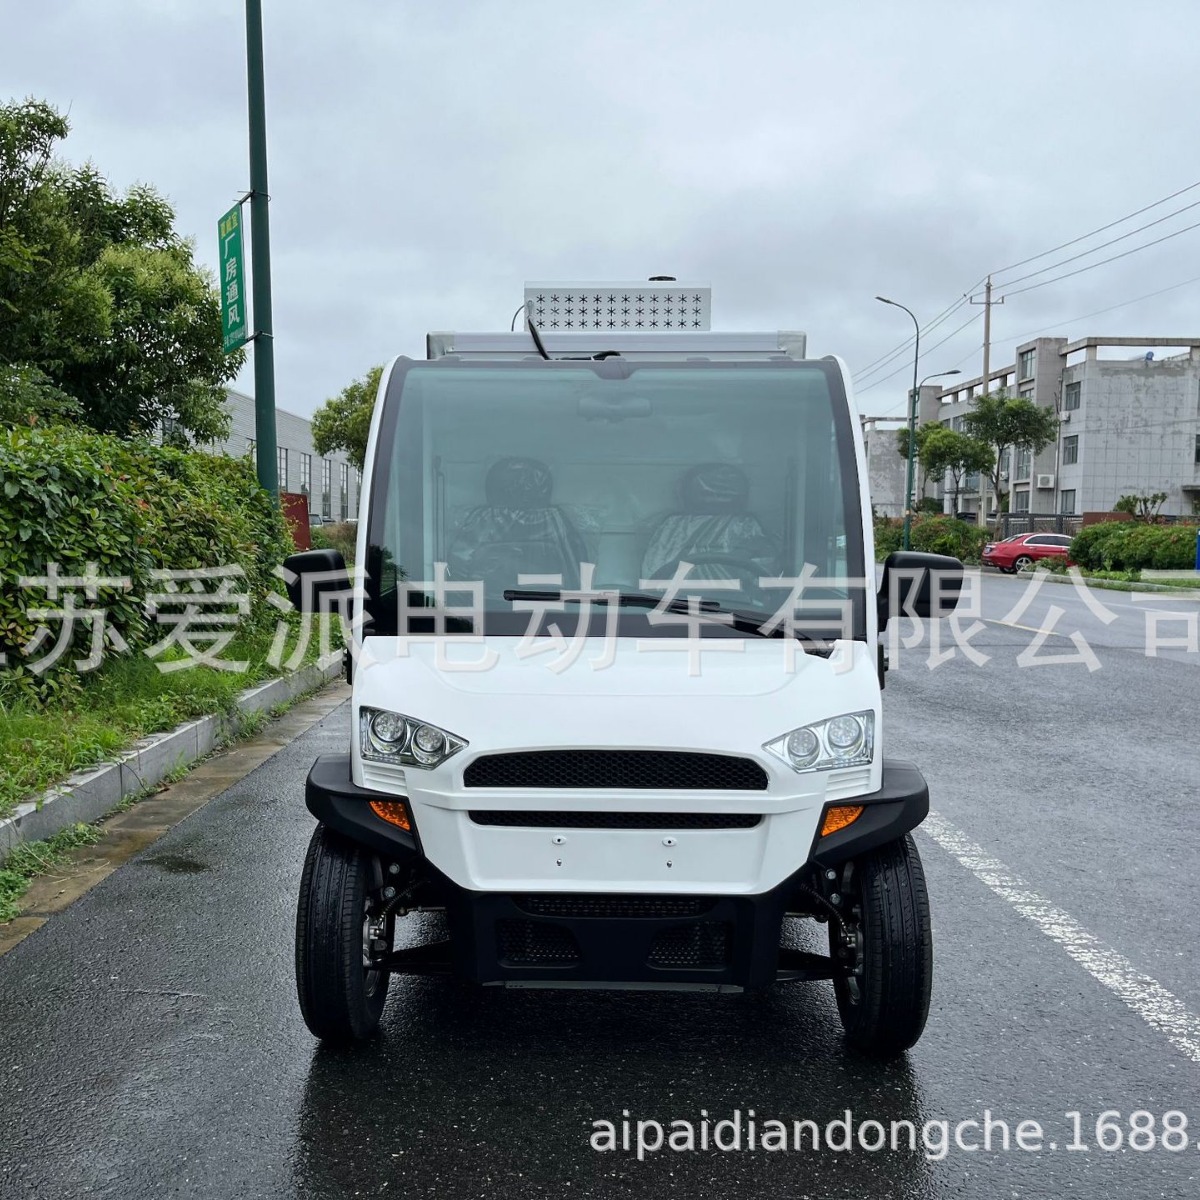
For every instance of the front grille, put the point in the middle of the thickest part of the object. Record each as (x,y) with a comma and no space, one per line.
(615,820)
(620,907)
(704,944)
(534,943)
(660,770)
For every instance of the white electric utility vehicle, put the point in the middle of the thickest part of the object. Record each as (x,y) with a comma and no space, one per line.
(616,675)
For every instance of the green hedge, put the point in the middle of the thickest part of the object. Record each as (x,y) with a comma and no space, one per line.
(935,534)
(74,497)
(1134,546)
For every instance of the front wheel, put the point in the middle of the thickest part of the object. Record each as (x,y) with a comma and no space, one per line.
(883,946)
(340,929)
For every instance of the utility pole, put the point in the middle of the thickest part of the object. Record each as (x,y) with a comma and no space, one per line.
(987,303)
(260,257)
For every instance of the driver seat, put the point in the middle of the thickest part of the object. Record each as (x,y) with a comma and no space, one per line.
(518,531)
(713,521)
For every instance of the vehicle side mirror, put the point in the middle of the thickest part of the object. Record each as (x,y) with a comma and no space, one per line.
(313,574)
(916,584)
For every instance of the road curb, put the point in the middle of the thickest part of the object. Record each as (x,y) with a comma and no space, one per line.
(88,795)
(1122,585)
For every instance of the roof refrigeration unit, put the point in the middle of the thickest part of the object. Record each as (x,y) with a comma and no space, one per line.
(656,318)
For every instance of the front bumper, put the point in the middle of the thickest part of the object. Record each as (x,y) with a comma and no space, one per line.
(588,939)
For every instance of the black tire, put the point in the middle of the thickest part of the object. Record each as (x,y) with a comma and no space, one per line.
(1023,563)
(883,999)
(341,1000)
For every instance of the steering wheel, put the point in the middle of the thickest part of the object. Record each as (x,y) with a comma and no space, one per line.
(744,567)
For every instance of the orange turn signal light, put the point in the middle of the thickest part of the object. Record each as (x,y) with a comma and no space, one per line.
(394,812)
(838,817)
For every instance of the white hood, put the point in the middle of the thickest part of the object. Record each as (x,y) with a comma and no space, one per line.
(741,697)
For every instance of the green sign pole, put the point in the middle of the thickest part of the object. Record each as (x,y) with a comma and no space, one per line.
(235,302)
(260,249)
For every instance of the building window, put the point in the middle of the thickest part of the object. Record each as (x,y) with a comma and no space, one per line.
(1070,451)
(1066,501)
(1023,460)
(344,482)
(357,491)
(971,481)
(1026,393)
(283,469)
(1198,447)
(1071,396)
(1025,365)
(326,484)
(1020,501)
(305,473)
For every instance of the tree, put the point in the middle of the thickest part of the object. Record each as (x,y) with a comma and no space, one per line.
(343,422)
(902,449)
(902,439)
(1142,508)
(1002,422)
(100,298)
(27,397)
(948,451)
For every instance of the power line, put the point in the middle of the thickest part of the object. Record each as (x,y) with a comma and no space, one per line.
(884,359)
(1103,245)
(1102,229)
(952,334)
(1020,337)
(941,317)
(1092,266)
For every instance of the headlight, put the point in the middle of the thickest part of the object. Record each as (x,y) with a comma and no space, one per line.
(391,737)
(845,741)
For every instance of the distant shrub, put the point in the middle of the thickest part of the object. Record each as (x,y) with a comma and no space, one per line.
(73,497)
(342,536)
(888,534)
(934,534)
(1133,546)
(1056,565)
(948,535)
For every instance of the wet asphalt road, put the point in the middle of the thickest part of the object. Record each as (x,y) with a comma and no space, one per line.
(152,1046)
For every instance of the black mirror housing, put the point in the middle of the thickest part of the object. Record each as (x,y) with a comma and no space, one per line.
(916,584)
(312,574)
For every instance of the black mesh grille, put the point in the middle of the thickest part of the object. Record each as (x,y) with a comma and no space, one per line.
(616,820)
(623,769)
(619,907)
(705,944)
(534,943)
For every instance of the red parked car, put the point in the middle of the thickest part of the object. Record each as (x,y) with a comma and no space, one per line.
(1023,549)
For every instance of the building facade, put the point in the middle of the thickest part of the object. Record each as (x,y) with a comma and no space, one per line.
(1126,425)
(332,484)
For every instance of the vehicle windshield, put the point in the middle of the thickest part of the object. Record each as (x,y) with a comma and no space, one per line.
(604,476)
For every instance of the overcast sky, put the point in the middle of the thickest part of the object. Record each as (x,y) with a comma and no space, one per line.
(427,159)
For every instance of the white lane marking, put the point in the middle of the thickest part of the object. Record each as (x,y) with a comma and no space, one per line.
(1145,996)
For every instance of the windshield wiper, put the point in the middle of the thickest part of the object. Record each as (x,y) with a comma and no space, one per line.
(623,599)
(743,622)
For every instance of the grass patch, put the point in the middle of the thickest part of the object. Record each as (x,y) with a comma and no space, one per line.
(127,699)
(32,859)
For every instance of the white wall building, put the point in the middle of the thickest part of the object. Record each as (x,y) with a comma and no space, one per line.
(1126,425)
(331,484)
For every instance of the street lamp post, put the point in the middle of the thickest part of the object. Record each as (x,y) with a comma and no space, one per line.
(906,540)
(264,346)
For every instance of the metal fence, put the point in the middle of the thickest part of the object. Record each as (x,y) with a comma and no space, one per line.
(1021,522)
